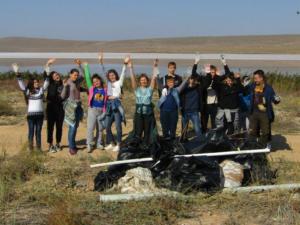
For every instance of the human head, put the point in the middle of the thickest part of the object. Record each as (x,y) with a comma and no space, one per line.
(55,76)
(170,82)
(97,81)
(74,73)
(192,81)
(33,83)
(228,79)
(259,77)
(144,80)
(112,75)
(171,67)
(213,70)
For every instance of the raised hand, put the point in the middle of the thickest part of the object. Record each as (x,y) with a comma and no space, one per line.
(223,60)
(100,57)
(78,62)
(155,68)
(50,61)
(197,58)
(130,63)
(237,75)
(15,67)
(207,68)
(127,59)
(65,82)
(155,63)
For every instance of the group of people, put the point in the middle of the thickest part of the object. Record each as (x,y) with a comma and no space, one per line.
(230,102)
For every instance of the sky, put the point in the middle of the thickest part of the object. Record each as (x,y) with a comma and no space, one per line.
(138,19)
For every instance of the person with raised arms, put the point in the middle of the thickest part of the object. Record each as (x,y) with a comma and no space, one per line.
(114,109)
(97,99)
(54,110)
(144,120)
(34,93)
(72,105)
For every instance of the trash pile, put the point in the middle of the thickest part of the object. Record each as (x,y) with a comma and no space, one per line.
(187,174)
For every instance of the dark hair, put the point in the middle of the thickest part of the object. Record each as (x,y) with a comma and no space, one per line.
(30,84)
(260,73)
(169,78)
(97,76)
(114,72)
(143,75)
(172,64)
(213,67)
(74,71)
(51,77)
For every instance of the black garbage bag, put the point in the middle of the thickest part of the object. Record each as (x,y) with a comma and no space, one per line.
(215,141)
(188,174)
(106,179)
(132,148)
(166,148)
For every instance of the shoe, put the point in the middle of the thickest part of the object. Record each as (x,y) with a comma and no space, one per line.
(52,149)
(116,148)
(99,146)
(58,147)
(72,151)
(109,147)
(89,148)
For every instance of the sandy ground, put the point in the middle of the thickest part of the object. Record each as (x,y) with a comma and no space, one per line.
(15,136)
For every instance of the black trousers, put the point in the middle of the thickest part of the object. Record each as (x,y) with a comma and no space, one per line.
(55,118)
(260,126)
(210,111)
(143,124)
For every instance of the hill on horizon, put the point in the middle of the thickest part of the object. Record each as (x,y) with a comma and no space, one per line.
(280,44)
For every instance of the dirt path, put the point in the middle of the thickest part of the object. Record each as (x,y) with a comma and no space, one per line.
(14,137)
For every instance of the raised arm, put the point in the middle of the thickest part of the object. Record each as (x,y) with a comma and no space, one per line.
(132,75)
(65,91)
(155,74)
(226,67)
(87,75)
(100,58)
(195,66)
(21,84)
(81,70)
(122,76)
(182,86)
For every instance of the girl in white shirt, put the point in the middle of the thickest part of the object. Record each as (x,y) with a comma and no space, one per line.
(114,109)
(34,93)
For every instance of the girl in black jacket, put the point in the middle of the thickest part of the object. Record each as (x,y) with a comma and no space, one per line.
(54,110)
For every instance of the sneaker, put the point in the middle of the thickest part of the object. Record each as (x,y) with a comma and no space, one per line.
(99,146)
(89,148)
(58,147)
(116,148)
(72,151)
(52,149)
(109,147)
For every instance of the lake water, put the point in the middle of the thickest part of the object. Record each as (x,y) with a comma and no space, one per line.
(182,70)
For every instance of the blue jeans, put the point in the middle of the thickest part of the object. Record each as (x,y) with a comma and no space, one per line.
(35,124)
(116,117)
(168,120)
(195,118)
(73,129)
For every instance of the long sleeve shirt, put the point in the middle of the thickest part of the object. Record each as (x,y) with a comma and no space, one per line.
(35,98)
(114,88)
(72,90)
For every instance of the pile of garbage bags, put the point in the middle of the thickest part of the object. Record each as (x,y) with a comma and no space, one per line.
(192,174)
